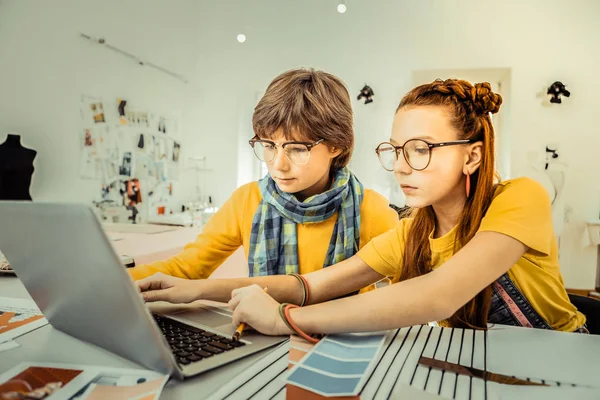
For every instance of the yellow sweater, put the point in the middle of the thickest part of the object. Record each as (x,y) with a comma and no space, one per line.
(230,228)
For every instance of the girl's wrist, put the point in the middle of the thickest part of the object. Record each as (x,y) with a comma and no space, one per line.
(286,314)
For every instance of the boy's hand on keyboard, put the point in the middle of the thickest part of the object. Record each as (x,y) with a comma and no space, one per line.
(161,287)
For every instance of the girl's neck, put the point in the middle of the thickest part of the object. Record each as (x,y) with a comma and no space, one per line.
(447,214)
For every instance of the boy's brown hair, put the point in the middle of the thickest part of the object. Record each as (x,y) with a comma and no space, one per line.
(310,104)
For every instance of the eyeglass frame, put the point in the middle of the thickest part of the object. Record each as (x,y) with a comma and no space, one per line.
(309,146)
(397,149)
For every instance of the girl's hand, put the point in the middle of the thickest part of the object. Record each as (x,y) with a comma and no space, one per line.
(254,307)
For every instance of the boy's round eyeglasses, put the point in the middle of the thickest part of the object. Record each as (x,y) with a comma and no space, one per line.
(296,152)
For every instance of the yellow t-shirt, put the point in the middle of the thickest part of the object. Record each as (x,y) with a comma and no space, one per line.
(521,209)
(230,228)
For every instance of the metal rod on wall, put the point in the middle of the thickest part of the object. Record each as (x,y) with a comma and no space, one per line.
(139,61)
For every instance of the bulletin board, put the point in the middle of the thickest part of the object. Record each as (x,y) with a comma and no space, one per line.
(121,143)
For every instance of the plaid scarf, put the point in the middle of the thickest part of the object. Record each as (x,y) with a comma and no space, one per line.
(274,239)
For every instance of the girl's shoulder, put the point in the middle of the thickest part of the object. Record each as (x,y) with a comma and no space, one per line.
(522,186)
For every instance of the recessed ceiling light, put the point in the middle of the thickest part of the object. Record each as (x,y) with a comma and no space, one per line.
(341,8)
(241,38)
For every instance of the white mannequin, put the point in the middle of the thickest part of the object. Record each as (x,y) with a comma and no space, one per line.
(552,178)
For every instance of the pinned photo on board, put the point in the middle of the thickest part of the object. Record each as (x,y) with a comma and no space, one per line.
(90,166)
(134,192)
(162,125)
(125,168)
(88,141)
(98,112)
(121,104)
(176,151)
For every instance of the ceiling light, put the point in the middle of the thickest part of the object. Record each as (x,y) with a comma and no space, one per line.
(241,38)
(341,8)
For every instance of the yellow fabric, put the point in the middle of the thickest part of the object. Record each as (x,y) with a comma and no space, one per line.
(521,209)
(230,228)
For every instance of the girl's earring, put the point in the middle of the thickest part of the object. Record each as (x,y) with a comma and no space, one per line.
(468,184)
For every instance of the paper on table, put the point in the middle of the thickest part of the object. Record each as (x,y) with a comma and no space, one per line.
(11,344)
(18,317)
(500,391)
(79,382)
(507,344)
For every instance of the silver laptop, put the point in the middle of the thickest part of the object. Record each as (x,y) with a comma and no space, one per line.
(68,266)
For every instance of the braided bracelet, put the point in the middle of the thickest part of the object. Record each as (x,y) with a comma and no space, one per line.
(304,288)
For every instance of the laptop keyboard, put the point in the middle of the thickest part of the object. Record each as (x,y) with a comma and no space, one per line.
(190,344)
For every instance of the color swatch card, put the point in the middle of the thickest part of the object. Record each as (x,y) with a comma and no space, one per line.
(18,317)
(338,365)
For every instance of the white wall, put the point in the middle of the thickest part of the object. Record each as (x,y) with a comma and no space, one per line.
(45,67)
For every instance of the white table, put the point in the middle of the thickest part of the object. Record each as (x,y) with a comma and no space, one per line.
(565,357)
(148,243)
